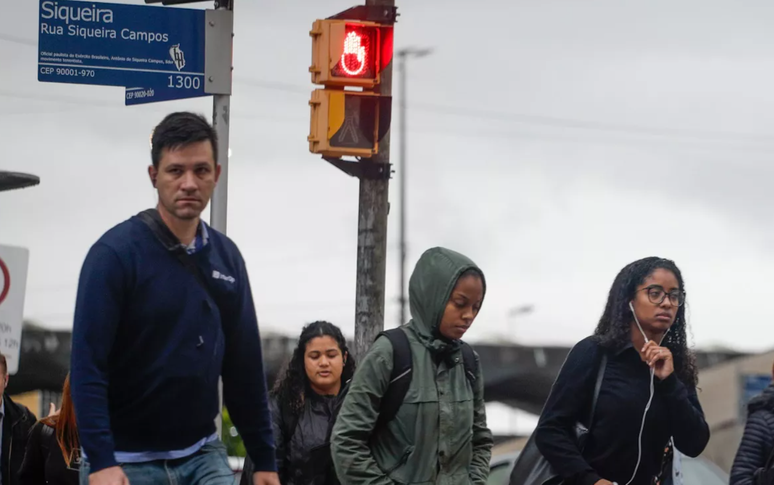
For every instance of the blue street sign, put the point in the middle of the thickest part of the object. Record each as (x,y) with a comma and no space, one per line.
(158,93)
(160,49)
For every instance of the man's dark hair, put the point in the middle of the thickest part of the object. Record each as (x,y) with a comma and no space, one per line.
(181,129)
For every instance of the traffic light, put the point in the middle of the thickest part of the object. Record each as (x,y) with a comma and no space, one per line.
(344,123)
(345,53)
(348,118)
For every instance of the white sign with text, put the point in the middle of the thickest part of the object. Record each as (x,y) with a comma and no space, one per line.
(13,283)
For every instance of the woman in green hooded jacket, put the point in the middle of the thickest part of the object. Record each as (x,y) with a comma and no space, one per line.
(439,434)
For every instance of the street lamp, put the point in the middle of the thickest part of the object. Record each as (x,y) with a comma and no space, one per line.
(403,55)
(16,180)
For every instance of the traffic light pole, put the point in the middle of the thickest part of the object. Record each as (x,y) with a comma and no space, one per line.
(373,209)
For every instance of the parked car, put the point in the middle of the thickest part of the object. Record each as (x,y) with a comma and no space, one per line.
(695,471)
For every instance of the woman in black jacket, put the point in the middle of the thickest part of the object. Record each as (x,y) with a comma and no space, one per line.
(647,393)
(53,452)
(304,405)
(758,440)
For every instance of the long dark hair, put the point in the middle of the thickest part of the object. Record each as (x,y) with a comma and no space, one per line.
(614,329)
(291,388)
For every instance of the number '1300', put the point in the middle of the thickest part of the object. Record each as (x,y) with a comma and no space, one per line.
(184,82)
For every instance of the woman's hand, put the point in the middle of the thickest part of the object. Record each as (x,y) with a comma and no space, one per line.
(659,359)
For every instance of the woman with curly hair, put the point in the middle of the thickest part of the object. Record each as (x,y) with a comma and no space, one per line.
(647,394)
(304,404)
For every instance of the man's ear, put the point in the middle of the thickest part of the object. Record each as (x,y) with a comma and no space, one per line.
(152,174)
(217,172)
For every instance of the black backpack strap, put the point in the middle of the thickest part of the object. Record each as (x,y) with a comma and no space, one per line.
(400,379)
(469,361)
(171,243)
(597,387)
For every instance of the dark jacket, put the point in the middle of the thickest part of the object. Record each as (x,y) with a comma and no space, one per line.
(758,440)
(43,460)
(136,298)
(17,422)
(303,442)
(612,449)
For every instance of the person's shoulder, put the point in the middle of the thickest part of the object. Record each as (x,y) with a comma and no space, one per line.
(225,244)
(122,236)
(590,343)
(587,350)
(20,412)
(42,429)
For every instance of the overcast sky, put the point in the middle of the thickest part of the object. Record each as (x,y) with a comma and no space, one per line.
(551,141)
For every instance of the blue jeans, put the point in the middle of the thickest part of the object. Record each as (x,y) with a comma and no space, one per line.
(208,466)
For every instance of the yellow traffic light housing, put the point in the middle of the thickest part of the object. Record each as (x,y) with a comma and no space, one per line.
(344,123)
(349,50)
(346,53)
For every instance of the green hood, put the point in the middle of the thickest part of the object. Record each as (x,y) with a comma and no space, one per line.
(430,287)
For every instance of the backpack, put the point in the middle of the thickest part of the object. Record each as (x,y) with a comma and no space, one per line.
(401,376)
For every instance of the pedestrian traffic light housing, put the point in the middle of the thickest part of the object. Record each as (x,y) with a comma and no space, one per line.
(346,53)
(344,123)
(349,116)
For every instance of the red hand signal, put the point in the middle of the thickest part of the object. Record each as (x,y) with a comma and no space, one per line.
(353,60)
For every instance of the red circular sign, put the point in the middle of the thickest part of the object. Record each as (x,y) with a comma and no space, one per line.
(5,285)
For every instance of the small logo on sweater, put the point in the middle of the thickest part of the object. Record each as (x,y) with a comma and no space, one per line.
(220,276)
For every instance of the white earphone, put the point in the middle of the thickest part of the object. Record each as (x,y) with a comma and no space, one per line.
(650,398)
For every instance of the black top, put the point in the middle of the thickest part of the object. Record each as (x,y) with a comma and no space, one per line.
(612,447)
(758,440)
(303,441)
(17,422)
(43,460)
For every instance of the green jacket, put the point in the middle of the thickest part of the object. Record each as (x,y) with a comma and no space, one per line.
(439,435)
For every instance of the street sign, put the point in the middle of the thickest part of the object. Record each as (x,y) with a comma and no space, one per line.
(136,96)
(158,53)
(13,283)
(752,385)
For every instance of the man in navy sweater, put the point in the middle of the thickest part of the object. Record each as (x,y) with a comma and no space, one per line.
(164,309)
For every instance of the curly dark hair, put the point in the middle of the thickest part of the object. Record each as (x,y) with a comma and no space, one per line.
(290,389)
(614,329)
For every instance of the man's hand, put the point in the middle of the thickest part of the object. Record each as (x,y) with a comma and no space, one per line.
(266,478)
(110,476)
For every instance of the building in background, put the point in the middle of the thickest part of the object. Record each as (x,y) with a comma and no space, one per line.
(724,391)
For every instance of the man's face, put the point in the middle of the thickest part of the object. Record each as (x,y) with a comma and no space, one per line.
(185,179)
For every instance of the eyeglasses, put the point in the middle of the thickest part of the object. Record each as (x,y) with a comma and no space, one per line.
(656,295)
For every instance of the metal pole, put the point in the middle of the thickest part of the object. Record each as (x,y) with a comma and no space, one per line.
(221,118)
(402,181)
(372,237)
(403,55)
(221,110)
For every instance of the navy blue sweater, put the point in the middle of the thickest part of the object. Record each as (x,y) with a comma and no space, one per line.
(149,344)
